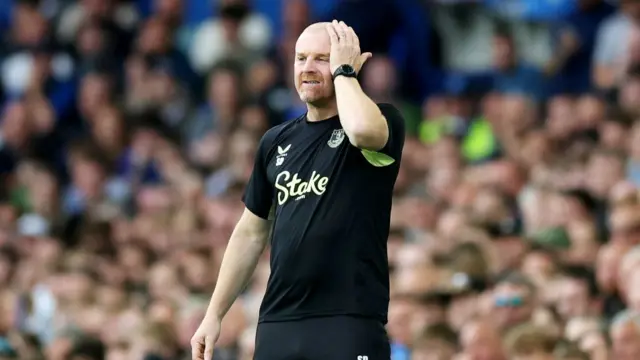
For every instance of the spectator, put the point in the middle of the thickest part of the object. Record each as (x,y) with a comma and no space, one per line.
(615,44)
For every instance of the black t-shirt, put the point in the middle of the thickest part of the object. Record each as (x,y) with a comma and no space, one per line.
(331,212)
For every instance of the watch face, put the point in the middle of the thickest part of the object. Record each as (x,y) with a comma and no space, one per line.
(347,69)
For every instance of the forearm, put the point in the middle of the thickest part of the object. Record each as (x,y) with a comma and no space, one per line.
(361,119)
(238,264)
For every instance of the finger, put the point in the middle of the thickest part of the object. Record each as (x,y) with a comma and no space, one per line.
(196,350)
(339,30)
(208,348)
(348,39)
(356,40)
(364,57)
(333,35)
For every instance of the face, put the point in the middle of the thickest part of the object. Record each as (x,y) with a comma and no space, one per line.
(625,226)
(94,93)
(463,308)
(15,123)
(416,280)
(44,192)
(608,259)
(197,273)
(91,40)
(602,173)
(573,298)
(107,128)
(399,326)
(613,135)
(254,119)
(381,76)
(623,194)
(153,37)
(312,73)
(79,287)
(87,176)
(502,53)
(169,7)
(224,89)
(489,206)
(538,266)
(584,247)
(512,305)
(629,96)
(590,111)
(481,342)
(561,120)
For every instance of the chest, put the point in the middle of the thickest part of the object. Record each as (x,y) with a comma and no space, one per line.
(305,165)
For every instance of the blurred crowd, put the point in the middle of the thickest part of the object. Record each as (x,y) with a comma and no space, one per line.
(128,130)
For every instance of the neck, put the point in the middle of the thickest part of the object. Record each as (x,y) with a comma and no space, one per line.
(315,113)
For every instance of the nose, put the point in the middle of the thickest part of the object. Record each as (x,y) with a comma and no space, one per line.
(308,66)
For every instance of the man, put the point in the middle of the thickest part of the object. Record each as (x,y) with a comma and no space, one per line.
(328,292)
(578,295)
(514,300)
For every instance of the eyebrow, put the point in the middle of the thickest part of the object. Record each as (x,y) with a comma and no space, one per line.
(317,55)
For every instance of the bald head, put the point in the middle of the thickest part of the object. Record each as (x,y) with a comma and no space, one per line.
(313,33)
(319,26)
(312,72)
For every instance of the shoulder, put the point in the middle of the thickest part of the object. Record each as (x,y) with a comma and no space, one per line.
(272,136)
(392,114)
(389,109)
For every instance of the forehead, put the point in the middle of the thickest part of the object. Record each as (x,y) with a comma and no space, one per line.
(314,41)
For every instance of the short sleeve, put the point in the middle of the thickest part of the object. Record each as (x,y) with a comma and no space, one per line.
(395,122)
(258,195)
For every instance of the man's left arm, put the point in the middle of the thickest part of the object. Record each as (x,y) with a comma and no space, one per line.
(361,118)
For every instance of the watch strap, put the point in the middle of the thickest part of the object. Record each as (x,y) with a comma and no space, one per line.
(345,70)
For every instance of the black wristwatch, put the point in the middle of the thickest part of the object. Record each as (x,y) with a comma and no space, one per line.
(345,70)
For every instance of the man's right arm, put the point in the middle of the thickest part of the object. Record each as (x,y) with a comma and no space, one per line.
(246,244)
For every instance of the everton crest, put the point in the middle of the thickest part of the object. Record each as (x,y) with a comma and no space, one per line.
(337,136)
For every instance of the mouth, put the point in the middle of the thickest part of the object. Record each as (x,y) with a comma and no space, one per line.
(310,82)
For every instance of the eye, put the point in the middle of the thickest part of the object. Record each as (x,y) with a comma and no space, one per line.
(300,58)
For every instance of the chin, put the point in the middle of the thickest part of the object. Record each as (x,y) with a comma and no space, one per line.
(313,98)
(310,98)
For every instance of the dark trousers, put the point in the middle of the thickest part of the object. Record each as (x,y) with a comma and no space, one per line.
(323,338)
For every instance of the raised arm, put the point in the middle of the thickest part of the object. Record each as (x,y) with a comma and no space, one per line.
(361,119)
